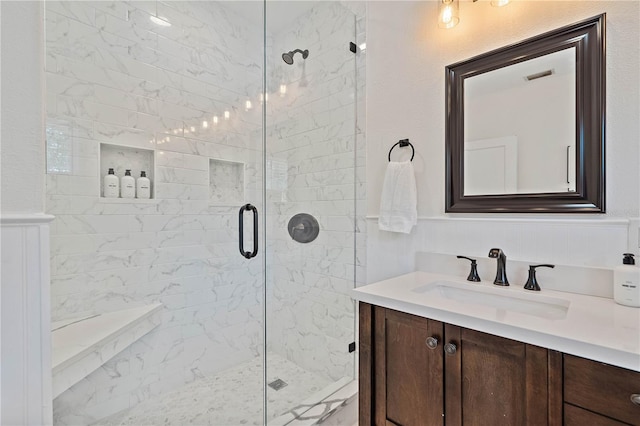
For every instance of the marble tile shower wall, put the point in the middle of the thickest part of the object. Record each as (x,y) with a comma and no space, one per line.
(113,76)
(313,141)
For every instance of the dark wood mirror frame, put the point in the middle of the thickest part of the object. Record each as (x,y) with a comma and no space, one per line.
(588,37)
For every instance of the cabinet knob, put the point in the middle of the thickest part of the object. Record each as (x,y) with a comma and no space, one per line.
(635,398)
(432,342)
(450,348)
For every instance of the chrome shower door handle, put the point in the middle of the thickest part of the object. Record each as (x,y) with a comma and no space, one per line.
(254,210)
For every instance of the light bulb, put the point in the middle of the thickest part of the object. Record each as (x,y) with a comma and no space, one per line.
(247,105)
(448,14)
(215,120)
(283,89)
(205,124)
(193,128)
(227,114)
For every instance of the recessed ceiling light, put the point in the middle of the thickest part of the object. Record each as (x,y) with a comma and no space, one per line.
(160,20)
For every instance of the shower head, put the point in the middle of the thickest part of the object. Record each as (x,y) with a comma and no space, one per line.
(288,56)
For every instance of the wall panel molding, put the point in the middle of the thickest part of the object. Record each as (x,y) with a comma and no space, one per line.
(25,321)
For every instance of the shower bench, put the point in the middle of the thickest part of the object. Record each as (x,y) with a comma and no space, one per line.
(82,345)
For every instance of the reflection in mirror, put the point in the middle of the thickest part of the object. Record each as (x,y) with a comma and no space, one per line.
(519,127)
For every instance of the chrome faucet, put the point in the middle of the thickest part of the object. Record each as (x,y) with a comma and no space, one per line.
(501,273)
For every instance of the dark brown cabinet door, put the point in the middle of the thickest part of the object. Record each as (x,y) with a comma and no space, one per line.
(408,369)
(491,380)
(420,372)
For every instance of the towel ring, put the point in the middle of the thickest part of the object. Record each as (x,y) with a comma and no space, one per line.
(403,143)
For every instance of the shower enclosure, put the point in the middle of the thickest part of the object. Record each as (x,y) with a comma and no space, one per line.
(205,304)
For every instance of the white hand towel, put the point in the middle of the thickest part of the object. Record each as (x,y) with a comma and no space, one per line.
(398,203)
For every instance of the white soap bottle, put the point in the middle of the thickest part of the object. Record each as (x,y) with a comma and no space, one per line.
(128,185)
(143,186)
(111,185)
(626,282)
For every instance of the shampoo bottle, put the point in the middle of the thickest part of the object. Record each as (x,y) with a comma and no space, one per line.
(111,185)
(128,184)
(143,186)
(626,282)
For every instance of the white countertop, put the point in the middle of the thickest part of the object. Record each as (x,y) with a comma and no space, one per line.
(593,327)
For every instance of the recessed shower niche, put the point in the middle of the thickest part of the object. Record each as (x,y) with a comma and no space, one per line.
(121,158)
(226,182)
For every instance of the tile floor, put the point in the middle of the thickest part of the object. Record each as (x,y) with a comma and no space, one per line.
(231,398)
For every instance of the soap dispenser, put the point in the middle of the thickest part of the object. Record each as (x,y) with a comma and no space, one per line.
(111,185)
(626,282)
(128,184)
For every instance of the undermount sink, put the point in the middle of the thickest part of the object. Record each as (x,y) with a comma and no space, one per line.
(500,298)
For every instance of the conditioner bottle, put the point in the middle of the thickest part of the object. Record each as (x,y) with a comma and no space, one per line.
(143,186)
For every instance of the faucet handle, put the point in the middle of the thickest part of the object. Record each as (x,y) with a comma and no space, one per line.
(473,274)
(532,281)
(495,253)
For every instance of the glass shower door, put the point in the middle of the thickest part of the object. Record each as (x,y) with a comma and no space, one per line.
(310,193)
(172,88)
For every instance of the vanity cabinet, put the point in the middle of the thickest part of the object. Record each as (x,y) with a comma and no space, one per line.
(416,371)
(423,372)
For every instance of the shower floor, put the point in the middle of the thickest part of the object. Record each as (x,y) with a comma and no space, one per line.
(231,398)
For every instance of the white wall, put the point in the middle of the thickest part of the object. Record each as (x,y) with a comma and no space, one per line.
(406,57)
(22,142)
(407,54)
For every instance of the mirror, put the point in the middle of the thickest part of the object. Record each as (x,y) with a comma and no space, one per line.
(519,127)
(525,125)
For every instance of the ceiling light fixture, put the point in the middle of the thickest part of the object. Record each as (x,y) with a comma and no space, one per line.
(160,20)
(448,11)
